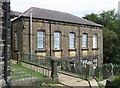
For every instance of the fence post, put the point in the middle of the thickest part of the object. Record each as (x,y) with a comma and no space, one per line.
(54,74)
(18,58)
(89,70)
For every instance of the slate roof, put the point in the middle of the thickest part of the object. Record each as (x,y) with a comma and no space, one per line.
(57,16)
(15,13)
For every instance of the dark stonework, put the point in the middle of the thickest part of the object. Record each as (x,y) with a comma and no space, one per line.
(1,44)
(21,27)
(65,29)
(4,40)
(54,72)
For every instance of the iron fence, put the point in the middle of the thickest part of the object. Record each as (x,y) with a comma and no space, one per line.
(73,65)
(27,75)
(106,71)
(41,61)
(30,72)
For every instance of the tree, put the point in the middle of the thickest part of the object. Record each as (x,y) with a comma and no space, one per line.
(111,33)
(110,39)
(93,17)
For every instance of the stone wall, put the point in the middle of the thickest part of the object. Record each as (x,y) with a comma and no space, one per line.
(4,39)
(1,44)
(65,28)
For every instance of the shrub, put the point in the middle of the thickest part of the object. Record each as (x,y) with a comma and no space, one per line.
(116,82)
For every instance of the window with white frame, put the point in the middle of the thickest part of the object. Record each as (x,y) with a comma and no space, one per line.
(57,40)
(40,40)
(72,40)
(84,40)
(84,61)
(95,41)
(95,63)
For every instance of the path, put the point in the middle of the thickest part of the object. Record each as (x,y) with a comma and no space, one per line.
(64,78)
(72,81)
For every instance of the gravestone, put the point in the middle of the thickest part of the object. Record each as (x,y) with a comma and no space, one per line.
(89,70)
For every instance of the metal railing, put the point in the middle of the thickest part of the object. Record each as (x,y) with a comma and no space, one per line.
(106,71)
(73,65)
(42,61)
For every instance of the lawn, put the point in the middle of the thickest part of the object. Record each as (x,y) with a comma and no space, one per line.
(18,71)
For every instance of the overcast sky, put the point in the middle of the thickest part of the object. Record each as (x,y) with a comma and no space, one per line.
(76,7)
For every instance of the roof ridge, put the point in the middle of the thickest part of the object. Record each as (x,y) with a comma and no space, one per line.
(57,16)
(50,10)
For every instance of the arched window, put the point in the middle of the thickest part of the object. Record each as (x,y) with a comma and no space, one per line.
(95,41)
(95,62)
(84,61)
(40,40)
(57,40)
(84,40)
(72,40)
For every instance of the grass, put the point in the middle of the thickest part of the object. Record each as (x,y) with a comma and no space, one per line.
(27,71)
(100,85)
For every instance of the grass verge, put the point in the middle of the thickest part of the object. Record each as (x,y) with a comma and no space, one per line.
(28,71)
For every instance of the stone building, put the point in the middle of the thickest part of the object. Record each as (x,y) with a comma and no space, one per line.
(56,34)
(14,14)
(4,42)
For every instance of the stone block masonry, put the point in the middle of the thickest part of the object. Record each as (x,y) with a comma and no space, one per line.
(1,45)
(4,41)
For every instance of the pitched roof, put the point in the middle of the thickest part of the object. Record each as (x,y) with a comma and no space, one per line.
(57,16)
(15,13)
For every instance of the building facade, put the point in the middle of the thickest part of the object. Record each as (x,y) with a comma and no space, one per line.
(56,34)
(4,42)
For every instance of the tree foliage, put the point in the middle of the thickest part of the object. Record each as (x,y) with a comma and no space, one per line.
(111,34)
(116,82)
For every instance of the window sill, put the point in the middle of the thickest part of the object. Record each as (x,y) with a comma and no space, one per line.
(40,50)
(55,50)
(72,49)
(84,49)
(94,48)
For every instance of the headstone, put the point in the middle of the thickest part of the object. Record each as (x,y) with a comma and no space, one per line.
(89,69)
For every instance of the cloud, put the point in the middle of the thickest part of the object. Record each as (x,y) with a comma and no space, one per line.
(77,7)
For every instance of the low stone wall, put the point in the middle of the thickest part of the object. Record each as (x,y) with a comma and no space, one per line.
(33,81)
(40,70)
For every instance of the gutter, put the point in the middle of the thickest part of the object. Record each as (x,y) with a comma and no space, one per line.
(50,37)
(31,35)
(79,42)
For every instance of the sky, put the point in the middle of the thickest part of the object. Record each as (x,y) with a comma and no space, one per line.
(76,7)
